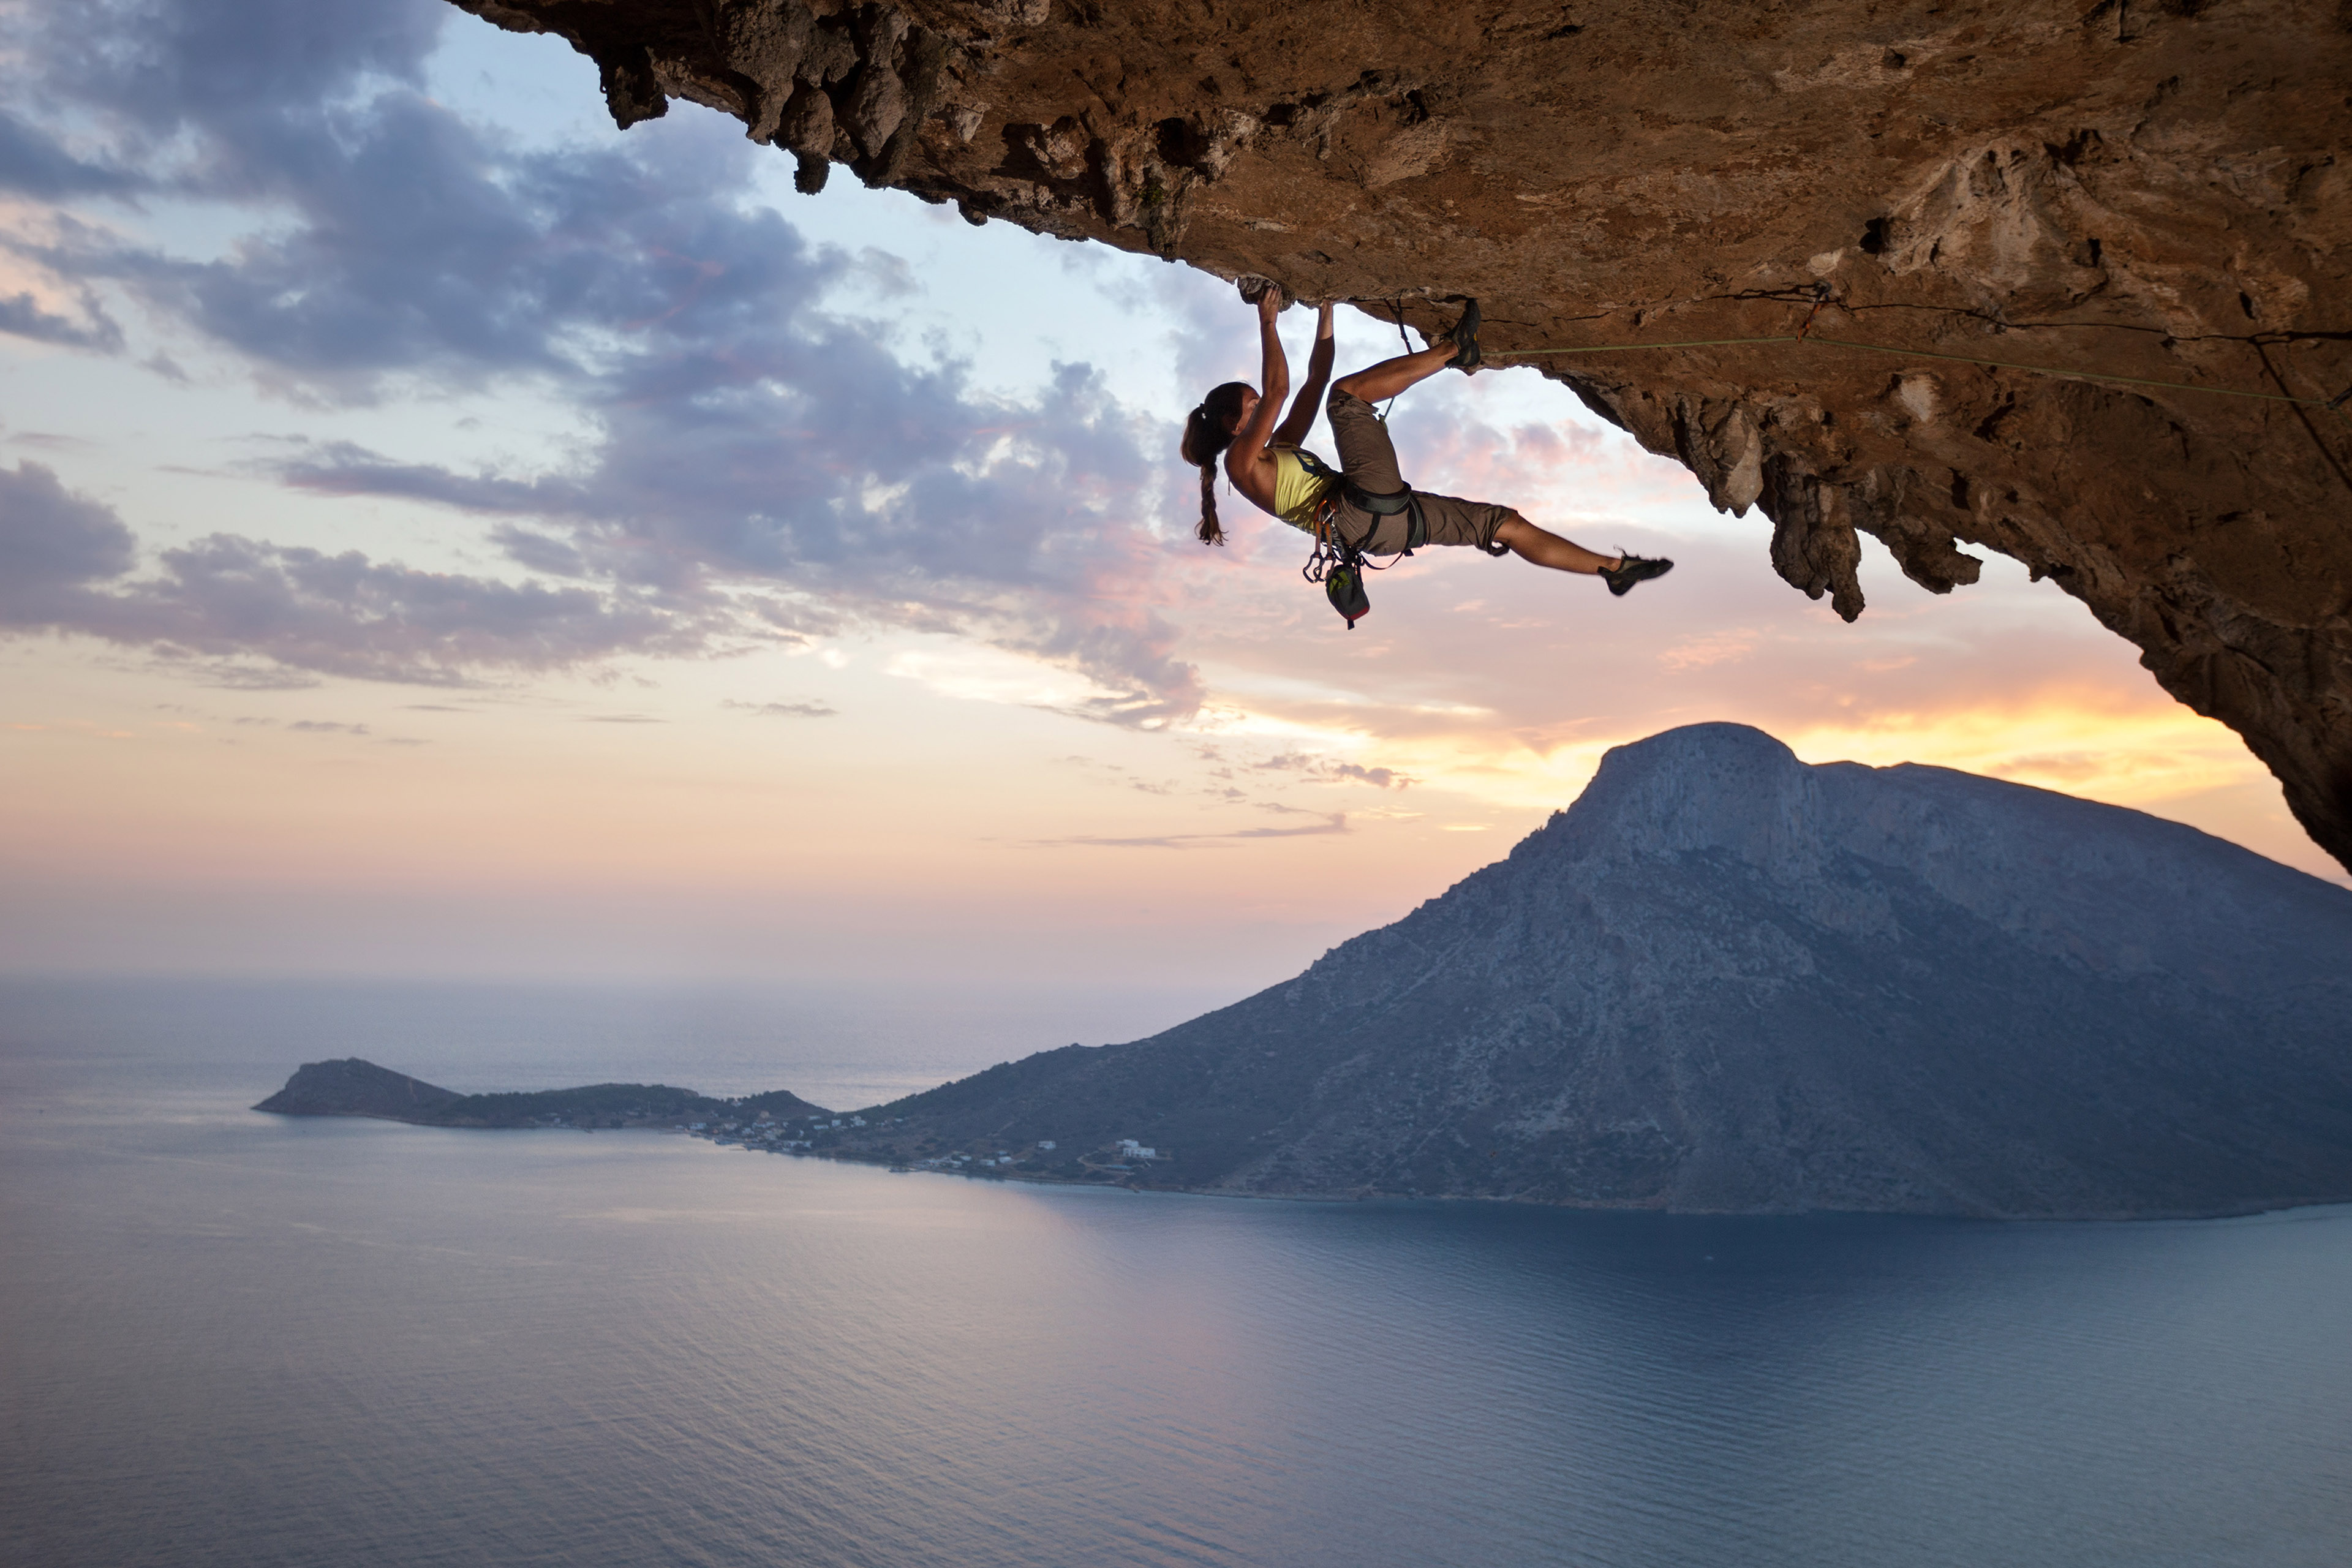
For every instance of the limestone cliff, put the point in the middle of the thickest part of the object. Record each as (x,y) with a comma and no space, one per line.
(1725,981)
(2150,189)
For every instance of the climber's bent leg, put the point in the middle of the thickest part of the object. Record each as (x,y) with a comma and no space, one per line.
(1367,456)
(1391,376)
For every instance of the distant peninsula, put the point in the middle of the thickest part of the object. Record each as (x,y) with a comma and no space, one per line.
(1723,982)
(352,1087)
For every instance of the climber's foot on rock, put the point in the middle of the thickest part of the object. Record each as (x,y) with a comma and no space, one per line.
(1632,569)
(1465,338)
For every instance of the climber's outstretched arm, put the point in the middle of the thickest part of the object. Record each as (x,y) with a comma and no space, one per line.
(1248,450)
(1309,401)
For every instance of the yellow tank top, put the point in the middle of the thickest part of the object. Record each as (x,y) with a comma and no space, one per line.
(1296,490)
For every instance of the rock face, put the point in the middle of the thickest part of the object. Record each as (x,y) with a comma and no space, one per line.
(2148,189)
(1726,980)
(352,1087)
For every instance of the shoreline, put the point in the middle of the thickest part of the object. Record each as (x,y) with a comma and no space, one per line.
(2281,1207)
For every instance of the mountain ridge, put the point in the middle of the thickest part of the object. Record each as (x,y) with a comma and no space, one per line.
(1725,981)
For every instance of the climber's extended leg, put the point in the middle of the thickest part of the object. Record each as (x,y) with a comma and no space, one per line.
(1528,543)
(1620,571)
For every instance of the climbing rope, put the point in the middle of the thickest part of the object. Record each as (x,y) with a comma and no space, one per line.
(2335,403)
(1397,310)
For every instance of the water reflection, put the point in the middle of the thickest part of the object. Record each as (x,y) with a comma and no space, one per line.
(240,1339)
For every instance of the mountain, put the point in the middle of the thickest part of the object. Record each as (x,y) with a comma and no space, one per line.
(352,1087)
(1726,980)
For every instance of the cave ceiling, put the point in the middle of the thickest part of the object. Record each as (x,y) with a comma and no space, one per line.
(2149,204)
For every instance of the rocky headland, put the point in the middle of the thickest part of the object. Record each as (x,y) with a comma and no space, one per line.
(351,1087)
(2147,201)
(1725,981)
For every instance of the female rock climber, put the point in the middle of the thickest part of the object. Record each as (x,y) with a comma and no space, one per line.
(1363,505)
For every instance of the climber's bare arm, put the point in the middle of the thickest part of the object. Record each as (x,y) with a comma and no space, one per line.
(1295,424)
(1247,462)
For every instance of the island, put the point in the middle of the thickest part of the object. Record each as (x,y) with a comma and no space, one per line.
(1724,981)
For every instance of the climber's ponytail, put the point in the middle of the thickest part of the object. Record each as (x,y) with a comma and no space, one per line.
(1208,431)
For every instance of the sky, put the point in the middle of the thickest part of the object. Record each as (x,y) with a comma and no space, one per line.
(441,535)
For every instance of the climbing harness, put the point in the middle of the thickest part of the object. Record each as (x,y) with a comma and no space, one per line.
(1335,562)
(1362,500)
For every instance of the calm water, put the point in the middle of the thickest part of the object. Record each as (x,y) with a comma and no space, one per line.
(232,1339)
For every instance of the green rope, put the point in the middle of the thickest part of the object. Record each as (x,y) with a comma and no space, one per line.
(1919,353)
(1611,348)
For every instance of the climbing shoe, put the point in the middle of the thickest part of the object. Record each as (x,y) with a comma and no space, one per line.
(1632,569)
(1465,338)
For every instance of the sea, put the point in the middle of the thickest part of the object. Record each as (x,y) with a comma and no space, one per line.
(228,1338)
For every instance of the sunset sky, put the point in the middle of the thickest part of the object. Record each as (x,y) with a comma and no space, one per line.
(443,535)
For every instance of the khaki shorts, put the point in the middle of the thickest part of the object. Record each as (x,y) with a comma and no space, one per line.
(1369,457)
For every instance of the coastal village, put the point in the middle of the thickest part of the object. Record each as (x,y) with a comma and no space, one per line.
(1124,1161)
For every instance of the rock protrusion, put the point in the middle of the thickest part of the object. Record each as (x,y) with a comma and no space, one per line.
(2030,197)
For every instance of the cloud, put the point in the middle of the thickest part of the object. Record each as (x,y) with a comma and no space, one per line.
(803,709)
(64,564)
(750,462)
(1337,822)
(246,74)
(53,545)
(33,163)
(21,315)
(420,249)
(236,675)
(1327,770)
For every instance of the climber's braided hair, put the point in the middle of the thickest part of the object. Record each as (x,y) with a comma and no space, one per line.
(1208,431)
